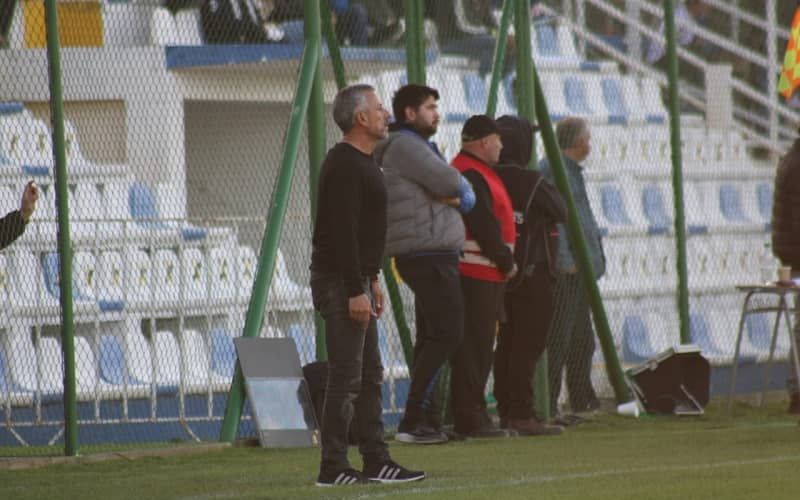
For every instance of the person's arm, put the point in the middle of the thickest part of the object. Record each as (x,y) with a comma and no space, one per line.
(484,227)
(416,161)
(345,203)
(13,224)
(548,200)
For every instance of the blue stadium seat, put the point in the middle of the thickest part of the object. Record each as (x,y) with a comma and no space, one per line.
(475,92)
(636,345)
(575,96)
(223,353)
(614,206)
(701,335)
(143,209)
(655,210)
(9,391)
(730,203)
(111,361)
(614,99)
(305,341)
(764,198)
(546,40)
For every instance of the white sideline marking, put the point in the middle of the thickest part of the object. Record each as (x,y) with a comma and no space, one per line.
(581,475)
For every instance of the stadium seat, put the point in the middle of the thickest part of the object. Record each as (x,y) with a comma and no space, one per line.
(285,294)
(187,25)
(166,279)
(575,92)
(26,272)
(144,210)
(653,105)
(163,29)
(223,354)
(614,99)
(10,134)
(388,82)
(195,277)
(613,206)
(51,381)
(654,209)
(730,204)
(763,192)
(758,331)
(636,345)
(195,362)
(246,263)
(167,358)
(10,393)
(223,274)
(554,91)
(138,279)
(701,336)
(476,93)
(111,277)
(22,365)
(455,107)
(83,302)
(306,342)
(3,284)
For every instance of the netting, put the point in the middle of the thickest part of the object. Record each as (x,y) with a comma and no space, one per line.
(175,122)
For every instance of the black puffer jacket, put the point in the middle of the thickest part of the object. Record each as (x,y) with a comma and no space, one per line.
(538,206)
(786,209)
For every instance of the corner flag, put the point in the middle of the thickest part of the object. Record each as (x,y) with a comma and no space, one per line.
(790,74)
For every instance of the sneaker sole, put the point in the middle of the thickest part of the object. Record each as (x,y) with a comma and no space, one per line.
(411,439)
(393,481)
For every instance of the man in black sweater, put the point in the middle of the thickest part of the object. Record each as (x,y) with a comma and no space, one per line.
(13,224)
(348,244)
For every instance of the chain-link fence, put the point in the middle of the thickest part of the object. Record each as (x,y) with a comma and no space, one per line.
(175,119)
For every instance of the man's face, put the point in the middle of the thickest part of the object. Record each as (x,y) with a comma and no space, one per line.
(492,145)
(374,117)
(424,119)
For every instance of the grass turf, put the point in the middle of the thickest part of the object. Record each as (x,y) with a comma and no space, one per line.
(755,455)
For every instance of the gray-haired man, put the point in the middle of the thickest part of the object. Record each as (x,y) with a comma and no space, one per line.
(348,245)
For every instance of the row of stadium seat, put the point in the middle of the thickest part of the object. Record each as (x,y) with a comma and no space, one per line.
(135,281)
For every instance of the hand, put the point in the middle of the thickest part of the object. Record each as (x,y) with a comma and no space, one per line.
(451,202)
(377,296)
(29,197)
(360,309)
(512,272)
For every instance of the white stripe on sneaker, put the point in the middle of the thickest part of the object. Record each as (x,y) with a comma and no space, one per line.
(395,473)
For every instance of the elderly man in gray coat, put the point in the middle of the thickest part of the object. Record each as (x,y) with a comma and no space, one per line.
(424,234)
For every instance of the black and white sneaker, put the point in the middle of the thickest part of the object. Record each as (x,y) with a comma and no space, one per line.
(391,472)
(421,434)
(340,478)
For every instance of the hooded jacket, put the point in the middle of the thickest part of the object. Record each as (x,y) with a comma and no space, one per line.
(786,209)
(417,178)
(538,206)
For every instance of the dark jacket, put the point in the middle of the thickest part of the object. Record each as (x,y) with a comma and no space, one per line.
(11,227)
(786,209)
(457,19)
(232,22)
(538,206)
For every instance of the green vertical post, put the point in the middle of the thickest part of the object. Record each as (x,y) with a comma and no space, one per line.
(316,153)
(277,212)
(499,56)
(527,109)
(64,245)
(415,41)
(333,44)
(615,374)
(677,170)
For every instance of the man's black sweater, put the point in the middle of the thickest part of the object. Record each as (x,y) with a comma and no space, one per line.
(350,230)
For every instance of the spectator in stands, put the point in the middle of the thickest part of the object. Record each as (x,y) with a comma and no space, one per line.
(486,262)
(357,22)
(468,28)
(6,17)
(13,224)
(522,337)
(786,237)
(571,340)
(688,17)
(346,257)
(234,22)
(425,234)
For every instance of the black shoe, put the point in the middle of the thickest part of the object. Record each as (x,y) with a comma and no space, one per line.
(391,472)
(491,431)
(794,404)
(340,478)
(421,434)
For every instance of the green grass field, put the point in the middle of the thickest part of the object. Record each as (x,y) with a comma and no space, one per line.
(755,455)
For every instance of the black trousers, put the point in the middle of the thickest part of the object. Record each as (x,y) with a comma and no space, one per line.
(521,340)
(355,375)
(439,309)
(472,362)
(570,344)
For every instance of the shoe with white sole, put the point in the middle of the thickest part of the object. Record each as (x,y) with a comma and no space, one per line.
(391,472)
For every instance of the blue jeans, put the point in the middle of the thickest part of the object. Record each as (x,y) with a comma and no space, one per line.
(355,375)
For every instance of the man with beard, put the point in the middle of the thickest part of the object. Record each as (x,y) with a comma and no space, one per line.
(425,235)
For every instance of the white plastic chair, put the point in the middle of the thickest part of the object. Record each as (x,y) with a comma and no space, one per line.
(195,276)
(163,29)
(196,367)
(246,263)
(222,273)
(187,25)
(111,276)
(166,278)
(168,359)
(26,294)
(138,278)
(52,366)
(21,355)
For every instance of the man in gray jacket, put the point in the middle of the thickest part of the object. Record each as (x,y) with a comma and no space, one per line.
(424,234)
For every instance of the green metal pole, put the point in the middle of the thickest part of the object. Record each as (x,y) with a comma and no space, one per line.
(333,44)
(615,374)
(64,245)
(272,233)
(677,170)
(415,52)
(499,56)
(316,153)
